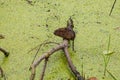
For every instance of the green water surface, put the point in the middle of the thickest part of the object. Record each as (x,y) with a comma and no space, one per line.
(25,25)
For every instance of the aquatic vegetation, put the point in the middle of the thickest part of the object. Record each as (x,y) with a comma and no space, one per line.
(112,7)
(27,23)
(107,55)
(111,75)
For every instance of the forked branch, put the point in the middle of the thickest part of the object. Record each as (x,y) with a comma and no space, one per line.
(62,46)
(72,67)
(44,56)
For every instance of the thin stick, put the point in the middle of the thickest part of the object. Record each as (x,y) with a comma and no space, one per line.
(73,45)
(112,8)
(39,47)
(5,52)
(43,72)
(2,73)
(72,67)
(44,56)
(36,54)
(64,46)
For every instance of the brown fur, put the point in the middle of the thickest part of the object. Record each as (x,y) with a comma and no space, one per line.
(65,33)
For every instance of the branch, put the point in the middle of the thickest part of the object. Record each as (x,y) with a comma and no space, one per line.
(39,47)
(2,73)
(44,56)
(5,52)
(72,67)
(43,72)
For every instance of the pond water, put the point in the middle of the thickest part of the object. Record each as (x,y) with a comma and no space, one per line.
(25,25)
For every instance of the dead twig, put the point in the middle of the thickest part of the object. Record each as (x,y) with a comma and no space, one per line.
(6,55)
(5,52)
(44,67)
(63,45)
(72,67)
(2,73)
(44,56)
(39,47)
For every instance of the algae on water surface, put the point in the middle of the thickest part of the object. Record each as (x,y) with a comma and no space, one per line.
(24,26)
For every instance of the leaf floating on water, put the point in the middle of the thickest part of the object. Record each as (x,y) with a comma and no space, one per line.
(1,36)
(108,52)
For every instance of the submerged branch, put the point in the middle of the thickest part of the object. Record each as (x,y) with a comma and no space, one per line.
(1,72)
(72,67)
